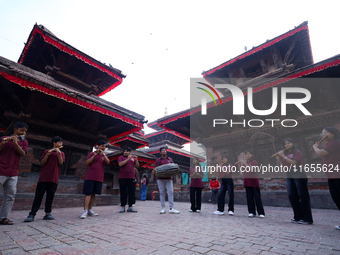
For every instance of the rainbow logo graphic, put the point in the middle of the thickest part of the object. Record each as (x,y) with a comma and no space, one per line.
(204,100)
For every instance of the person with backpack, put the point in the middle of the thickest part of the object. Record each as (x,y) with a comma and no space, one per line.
(165,183)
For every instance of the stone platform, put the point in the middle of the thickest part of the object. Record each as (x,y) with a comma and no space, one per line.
(148,232)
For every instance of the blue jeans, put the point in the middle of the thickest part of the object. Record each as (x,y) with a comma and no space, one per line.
(143,192)
(226,185)
(299,199)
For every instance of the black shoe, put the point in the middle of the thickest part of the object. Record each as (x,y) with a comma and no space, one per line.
(305,222)
(48,217)
(131,210)
(29,218)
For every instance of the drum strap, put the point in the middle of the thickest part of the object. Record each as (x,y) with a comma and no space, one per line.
(160,159)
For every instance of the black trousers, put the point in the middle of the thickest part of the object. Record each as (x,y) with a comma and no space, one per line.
(50,188)
(134,191)
(334,189)
(299,198)
(127,188)
(254,197)
(195,198)
(226,185)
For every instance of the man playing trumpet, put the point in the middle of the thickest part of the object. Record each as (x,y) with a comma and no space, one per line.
(296,183)
(51,161)
(127,164)
(330,155)
(11,149)
(94,177)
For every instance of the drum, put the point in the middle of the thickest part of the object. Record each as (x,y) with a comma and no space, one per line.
(167,170)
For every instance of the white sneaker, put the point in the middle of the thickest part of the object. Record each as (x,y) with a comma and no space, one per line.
(92,213)
(133,205)
(83,216)
(162,211)
(262,216)
(218,212)
(198,211)
(173,211)
(190,210)
(231,213)
(337,227)
(251,215)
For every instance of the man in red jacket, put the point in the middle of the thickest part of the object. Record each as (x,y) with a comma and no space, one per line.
(12,148)
(214,186)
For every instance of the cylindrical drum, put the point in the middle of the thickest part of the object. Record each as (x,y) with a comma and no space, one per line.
(167,170)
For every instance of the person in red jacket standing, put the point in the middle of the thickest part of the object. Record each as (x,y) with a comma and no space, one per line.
(94,177)
(196,185)
(330,155)
(252,185)
(165,183)
(127,164)
(214,186)
(51,160)
(11,149)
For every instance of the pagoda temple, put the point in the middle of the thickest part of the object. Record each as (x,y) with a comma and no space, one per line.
(135,141)
(55,89)
(284,61)
(174,143)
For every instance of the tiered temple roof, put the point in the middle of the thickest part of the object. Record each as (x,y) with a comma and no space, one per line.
(48,54)
(270,64)
(173,142)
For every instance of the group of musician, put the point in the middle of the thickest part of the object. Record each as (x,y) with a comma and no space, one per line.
(297,182)
(15,146)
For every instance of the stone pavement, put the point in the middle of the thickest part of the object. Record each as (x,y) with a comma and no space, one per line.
(148,232)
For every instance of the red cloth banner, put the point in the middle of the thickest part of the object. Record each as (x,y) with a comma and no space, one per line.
(32,86)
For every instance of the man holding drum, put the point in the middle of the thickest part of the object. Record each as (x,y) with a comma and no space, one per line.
(165,182)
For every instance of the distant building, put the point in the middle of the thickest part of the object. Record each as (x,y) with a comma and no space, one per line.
(276,63)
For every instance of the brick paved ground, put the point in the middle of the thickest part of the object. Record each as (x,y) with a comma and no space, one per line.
(148,232)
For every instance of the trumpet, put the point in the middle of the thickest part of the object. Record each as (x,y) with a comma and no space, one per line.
(276,154)
(54,148)
(311,149)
